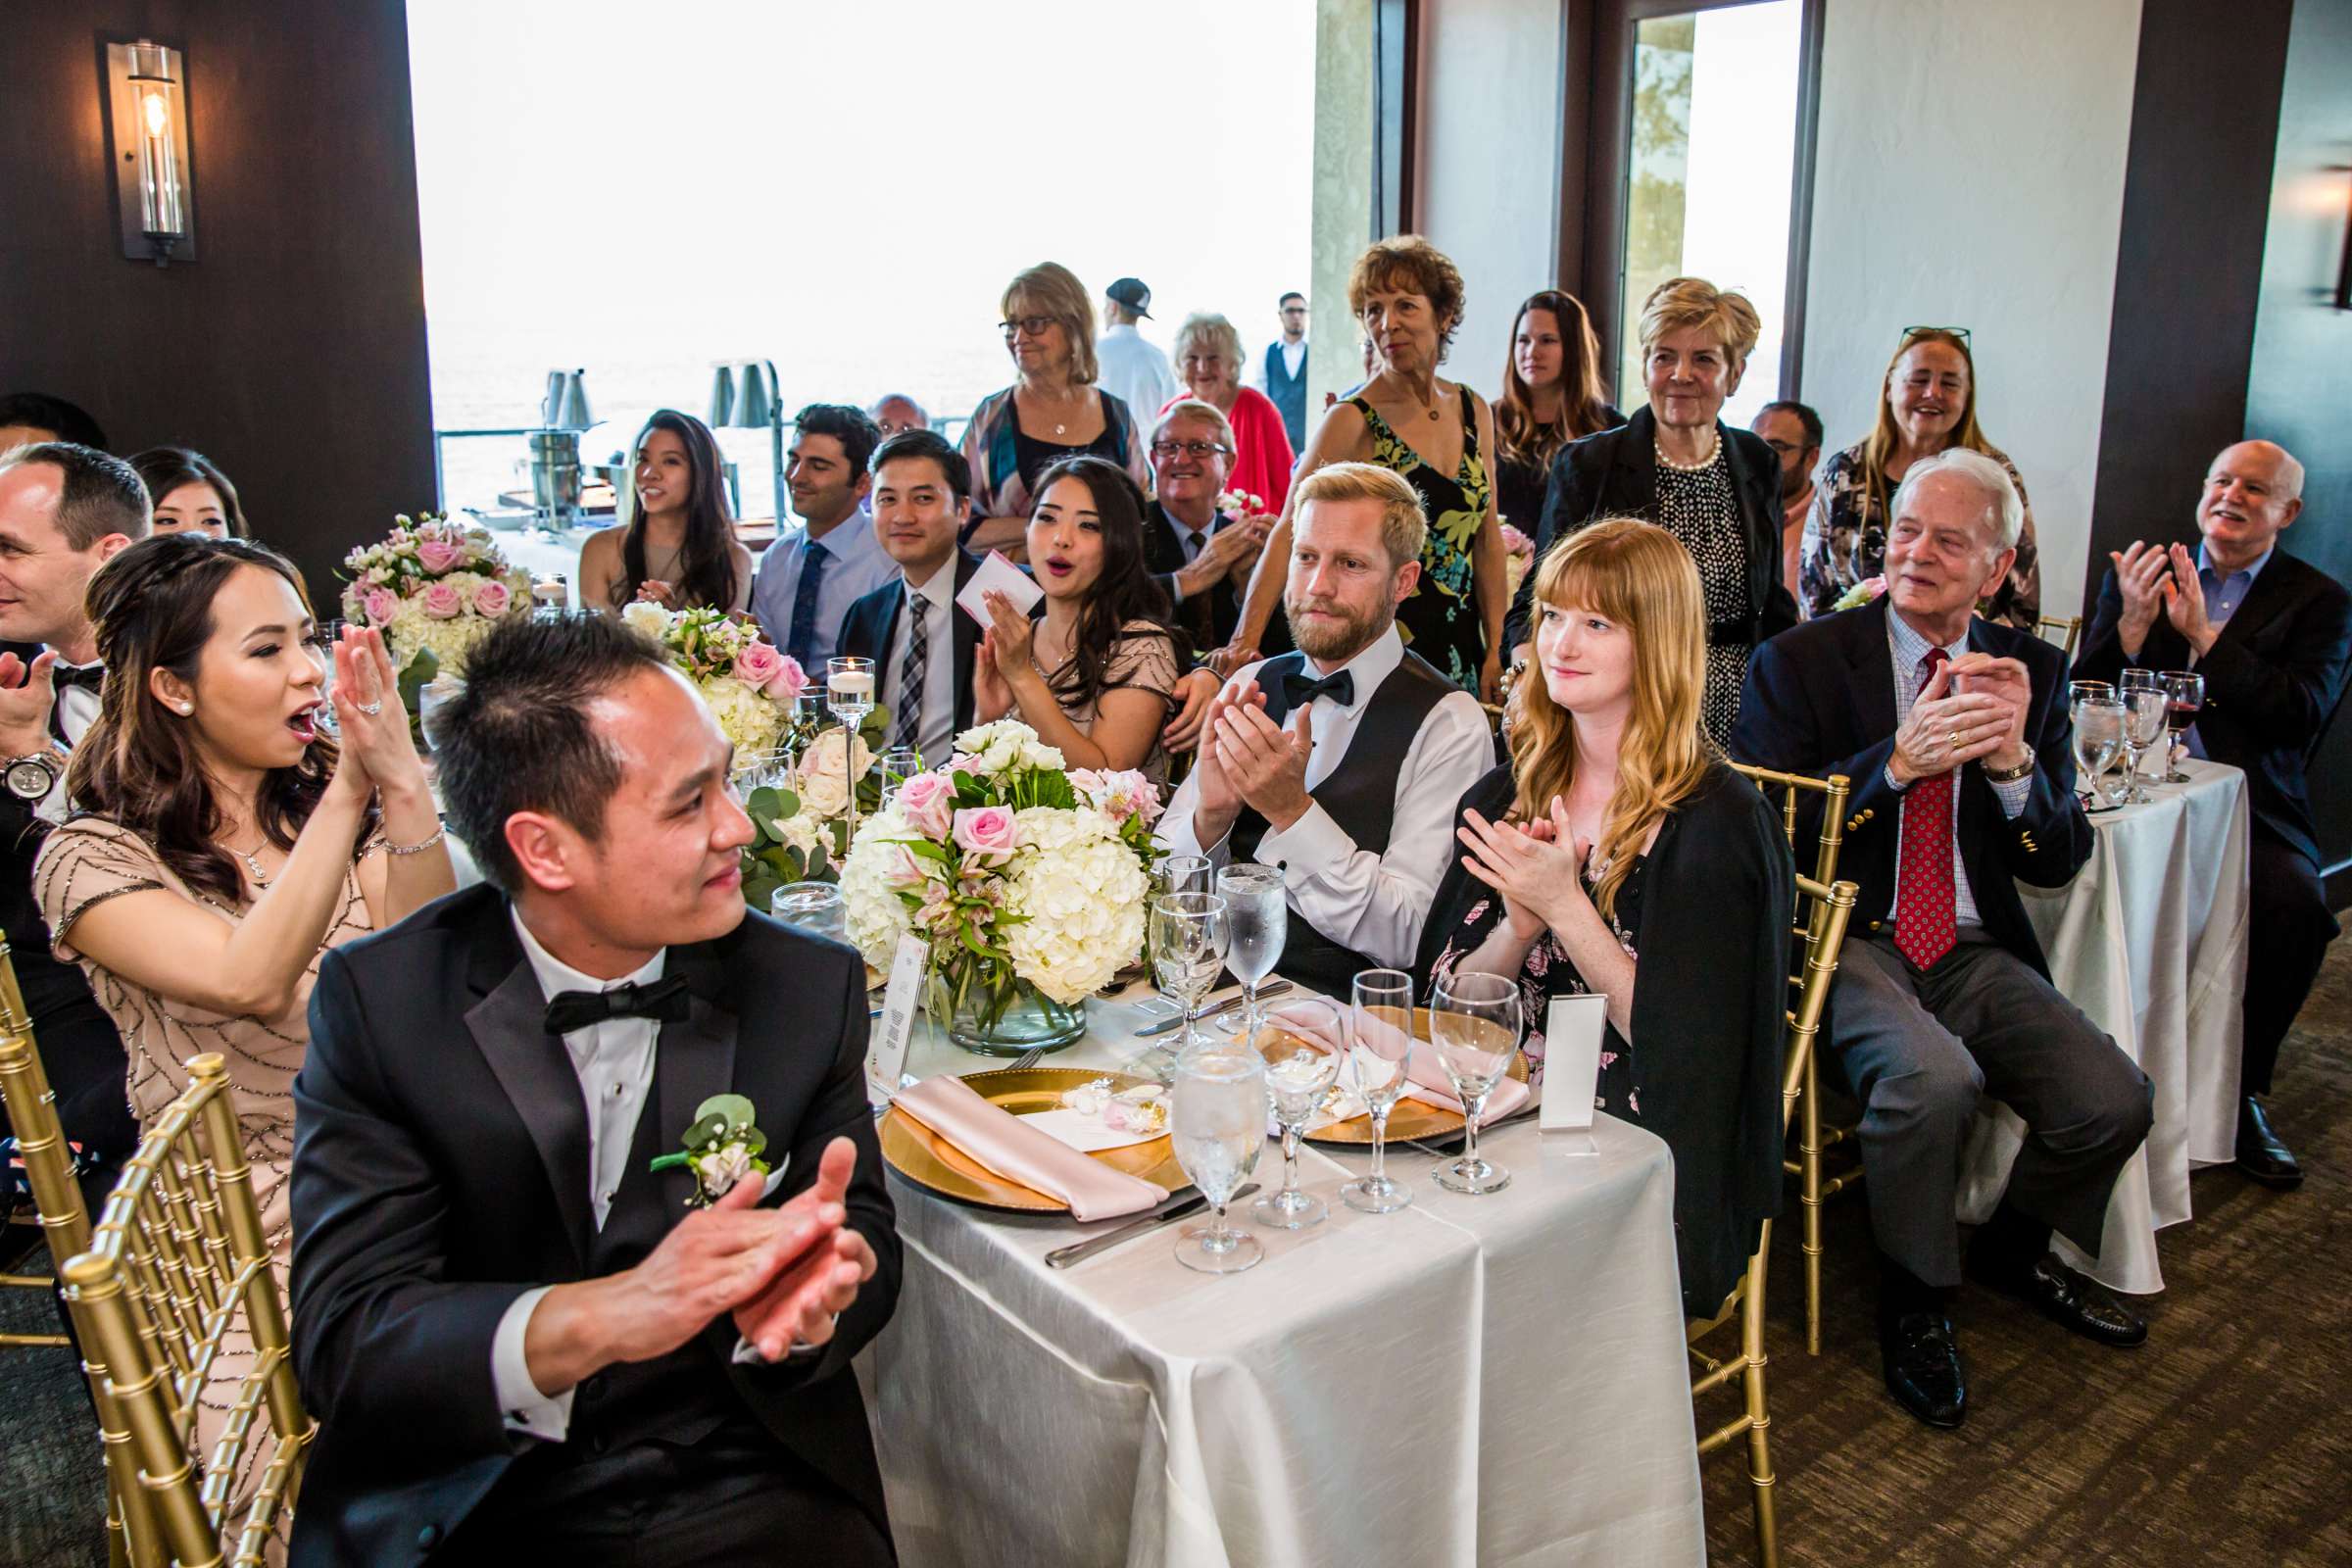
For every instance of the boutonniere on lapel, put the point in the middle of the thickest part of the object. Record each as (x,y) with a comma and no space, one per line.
(721,1149)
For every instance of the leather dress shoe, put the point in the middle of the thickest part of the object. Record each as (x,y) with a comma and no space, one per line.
(2261,1156)
(1923,1368)
(2072,1301)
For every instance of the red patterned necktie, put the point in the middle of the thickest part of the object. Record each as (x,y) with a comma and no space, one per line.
(1923,896)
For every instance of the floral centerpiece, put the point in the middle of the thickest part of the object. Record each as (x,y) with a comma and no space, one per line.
(750,687)
(434,589)
(1519,554)
(1028,882)
(800,825)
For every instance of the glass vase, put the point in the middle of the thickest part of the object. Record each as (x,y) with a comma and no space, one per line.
(1001,1014)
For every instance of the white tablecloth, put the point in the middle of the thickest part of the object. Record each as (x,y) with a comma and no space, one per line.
(2149,940)
(1499,1380)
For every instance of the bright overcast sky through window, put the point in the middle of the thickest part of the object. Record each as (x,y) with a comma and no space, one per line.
(844,189)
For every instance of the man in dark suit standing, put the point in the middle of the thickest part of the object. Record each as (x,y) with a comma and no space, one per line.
(520,1342)
(922,645)
(1954,732)
(2273,637)
(1202,558)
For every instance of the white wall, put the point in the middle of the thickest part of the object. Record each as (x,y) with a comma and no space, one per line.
(1971,173)
(1487,172)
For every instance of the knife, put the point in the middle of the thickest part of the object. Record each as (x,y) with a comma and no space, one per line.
(1079,1252)
(1170,1025)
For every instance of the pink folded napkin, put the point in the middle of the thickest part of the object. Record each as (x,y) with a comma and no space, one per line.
(995,1138)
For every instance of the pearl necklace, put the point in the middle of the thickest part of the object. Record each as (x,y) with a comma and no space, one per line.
(1714,446)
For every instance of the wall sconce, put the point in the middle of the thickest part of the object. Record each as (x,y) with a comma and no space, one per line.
(146,92)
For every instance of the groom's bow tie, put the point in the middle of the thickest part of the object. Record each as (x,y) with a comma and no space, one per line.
(1301,690)
(663,1001)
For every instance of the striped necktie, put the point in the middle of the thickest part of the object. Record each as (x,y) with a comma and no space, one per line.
(912,672)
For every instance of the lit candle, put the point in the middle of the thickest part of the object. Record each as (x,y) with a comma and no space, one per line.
(851,685)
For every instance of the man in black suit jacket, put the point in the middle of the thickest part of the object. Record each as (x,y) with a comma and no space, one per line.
(922,486)
(1200,556)
(1963,785)
(519,1341)
(2273,637)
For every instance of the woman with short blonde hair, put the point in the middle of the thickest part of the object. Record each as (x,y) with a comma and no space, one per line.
(1210,363)
(1676,463)
(1052,411)
(1617,855)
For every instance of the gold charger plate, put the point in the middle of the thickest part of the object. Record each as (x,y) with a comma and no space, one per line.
(1410,1118)
(936,1165)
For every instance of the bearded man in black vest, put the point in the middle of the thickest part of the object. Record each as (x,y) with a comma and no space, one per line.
(1341,762)
(520,1340)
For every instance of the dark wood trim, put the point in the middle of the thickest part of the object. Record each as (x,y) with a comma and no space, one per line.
(1569,213)
(1800,200)
(1396,114)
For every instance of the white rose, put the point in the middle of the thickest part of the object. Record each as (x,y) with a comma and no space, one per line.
(824,794)
(647,616)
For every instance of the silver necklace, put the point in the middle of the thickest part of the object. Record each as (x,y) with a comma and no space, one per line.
(261,878)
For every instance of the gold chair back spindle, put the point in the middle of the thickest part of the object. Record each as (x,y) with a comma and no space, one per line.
(177,1258)
(2070,625)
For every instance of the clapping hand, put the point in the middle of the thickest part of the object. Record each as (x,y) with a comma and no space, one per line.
(2008,680)
(2185,603)
(28,695)
(1945,730)
(1009,631)
(992,693)
(1194,695)
(799,1303)
(1265,763)
(2139,581)
(373,725)
(657,592)
(1537,868)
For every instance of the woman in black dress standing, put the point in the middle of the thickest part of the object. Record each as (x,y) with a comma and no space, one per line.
(1676,463)
(1616,854)
(1552,394)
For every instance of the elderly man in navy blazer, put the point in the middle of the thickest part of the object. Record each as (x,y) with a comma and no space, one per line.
(2273,637)
(1954,732)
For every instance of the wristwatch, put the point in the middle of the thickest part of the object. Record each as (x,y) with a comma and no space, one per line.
(32,776)
(2009,775)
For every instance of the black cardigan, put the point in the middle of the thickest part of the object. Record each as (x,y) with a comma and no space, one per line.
(1615,474)
(1710,998)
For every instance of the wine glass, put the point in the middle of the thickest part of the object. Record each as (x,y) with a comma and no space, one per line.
(1380,1034)
(898,764)
(850,697)
(2076,690)
(2185,695)
(2098,737)
(2144,703)
(1474,1024)
(1257,911)
(808,717)
(1217,1127)
(1303,1047)
(1188,934)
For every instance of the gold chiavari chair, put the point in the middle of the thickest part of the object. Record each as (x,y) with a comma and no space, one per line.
(1822,911)
(177,1260)
(64,1221)
(2070,625)
(1813,1140)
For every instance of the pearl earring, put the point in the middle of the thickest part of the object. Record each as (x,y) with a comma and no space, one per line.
(187,709)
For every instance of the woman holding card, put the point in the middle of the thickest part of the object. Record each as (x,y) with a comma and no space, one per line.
(1616,854)
(1095,676)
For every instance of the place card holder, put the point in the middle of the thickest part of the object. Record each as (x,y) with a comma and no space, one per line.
(886,1051)
(1572,1034)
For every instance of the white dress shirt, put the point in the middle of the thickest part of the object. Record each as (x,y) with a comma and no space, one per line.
(937,599)
(77,711)
(858,565)
(1135,371)
(1372,904)
(1293,355)
(1909,651)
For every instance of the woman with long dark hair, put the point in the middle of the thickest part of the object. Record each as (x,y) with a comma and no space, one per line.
(679,549)
(223,841)
(1615,853)
(1552,394)
(190,493)
(1096,675)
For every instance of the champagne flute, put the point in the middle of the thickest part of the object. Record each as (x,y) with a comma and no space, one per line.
(1474,1022)
(1302,1049)
(1217,1128)
(849,696)
(1188,934)
(2185,695)
(2144,704)
(1258,910)
(1380,1031)
(2098,737)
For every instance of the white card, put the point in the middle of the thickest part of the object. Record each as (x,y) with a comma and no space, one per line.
(1572,1033)
(1001,576)
(886,1050)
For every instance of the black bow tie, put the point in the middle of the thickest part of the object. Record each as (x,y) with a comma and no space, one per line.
(1339,688)
(90,677)
(663,1001)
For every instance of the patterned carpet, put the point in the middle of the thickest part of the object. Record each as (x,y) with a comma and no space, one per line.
(2227,1441)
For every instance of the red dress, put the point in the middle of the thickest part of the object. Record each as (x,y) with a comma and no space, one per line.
(1261,456)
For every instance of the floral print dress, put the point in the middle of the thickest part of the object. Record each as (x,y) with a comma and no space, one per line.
(1844,544)
(1441,621)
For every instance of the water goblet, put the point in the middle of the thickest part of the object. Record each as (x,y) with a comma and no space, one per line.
(1183,873)
(1217,1128)
(1258,913)
(2098,724)
(1380,1038)
(2144,706)
(1474,1022)
(1302,1046)
(1187,934)
(815,908)
(2185,695)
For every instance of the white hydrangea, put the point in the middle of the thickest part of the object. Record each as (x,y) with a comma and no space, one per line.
(1083,892)
(752,719)
(876,915)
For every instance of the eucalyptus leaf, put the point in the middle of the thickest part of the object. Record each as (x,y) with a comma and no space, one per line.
(767,804)
(734,1110)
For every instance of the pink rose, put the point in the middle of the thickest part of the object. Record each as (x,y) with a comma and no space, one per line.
(437,556)
(927,802)
(381,604)
(441,601)
(758,665)
(789,681)
(492,599)
(987,834)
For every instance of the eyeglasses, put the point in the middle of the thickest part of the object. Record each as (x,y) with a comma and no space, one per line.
(1960,332)
(1294,310)
(1164,449)
(1033,326)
